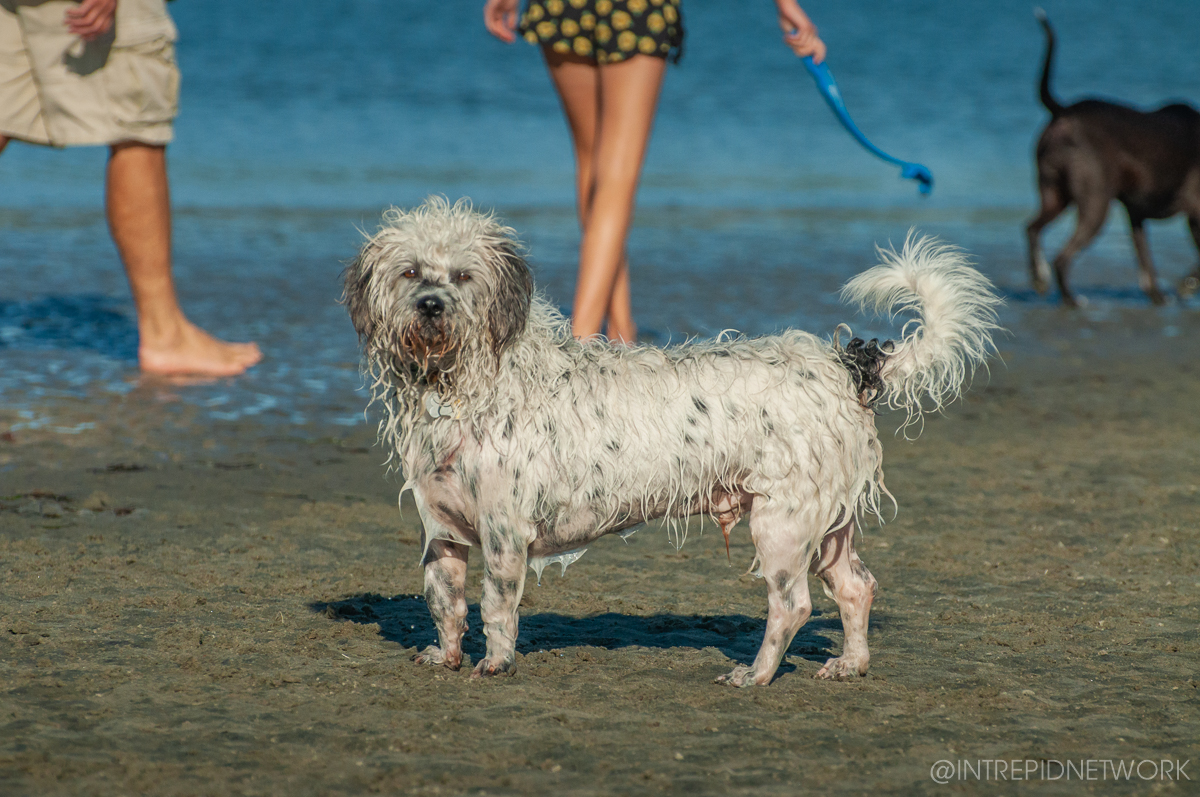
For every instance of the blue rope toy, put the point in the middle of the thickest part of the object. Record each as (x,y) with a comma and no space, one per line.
(829,90)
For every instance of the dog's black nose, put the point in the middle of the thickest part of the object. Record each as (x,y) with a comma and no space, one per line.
(430,306)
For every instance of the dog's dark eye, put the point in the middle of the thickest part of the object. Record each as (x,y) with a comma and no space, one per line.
(409,273)
(462,277)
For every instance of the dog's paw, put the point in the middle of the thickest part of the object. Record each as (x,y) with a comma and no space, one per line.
(433,656)
(490,667)
(843,668)
(1188,285)
(739,676)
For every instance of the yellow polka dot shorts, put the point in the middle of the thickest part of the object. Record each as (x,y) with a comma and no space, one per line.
(605,30)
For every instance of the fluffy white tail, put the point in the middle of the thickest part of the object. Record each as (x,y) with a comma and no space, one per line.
(951,335)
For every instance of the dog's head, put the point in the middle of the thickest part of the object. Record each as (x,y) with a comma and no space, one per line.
(437,289)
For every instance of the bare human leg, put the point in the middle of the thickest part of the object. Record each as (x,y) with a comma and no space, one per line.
(610,110)
(139,216)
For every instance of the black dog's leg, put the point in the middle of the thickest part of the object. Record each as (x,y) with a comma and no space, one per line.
(1147,278)
(1093,210)
(1189,284)
(1053,204)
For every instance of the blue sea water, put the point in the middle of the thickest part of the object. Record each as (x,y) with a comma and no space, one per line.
(301,121)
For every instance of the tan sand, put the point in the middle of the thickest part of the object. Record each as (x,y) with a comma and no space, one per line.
(190,609)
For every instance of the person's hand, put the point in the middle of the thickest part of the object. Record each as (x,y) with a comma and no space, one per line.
(91,19)
(799,32)
(500,18)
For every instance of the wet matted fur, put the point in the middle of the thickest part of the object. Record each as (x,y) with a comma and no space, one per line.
(528,444)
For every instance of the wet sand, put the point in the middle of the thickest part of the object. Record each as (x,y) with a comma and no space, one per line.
(231,609)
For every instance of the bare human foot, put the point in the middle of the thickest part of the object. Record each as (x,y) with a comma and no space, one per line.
(189,350)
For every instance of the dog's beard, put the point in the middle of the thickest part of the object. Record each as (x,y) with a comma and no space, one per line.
(430,347)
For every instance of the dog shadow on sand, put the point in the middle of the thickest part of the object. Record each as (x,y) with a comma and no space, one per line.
(404,620)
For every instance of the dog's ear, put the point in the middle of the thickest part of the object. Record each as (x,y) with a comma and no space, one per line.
(356,282)
(509,308)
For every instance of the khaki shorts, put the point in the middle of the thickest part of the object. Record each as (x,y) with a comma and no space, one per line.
(57,89)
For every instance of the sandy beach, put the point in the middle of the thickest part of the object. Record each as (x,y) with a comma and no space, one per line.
(198,608)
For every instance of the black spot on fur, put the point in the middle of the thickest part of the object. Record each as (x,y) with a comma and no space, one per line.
(453,514)
(781,580)
(768,424)
(860,570)
(613,445)
(864,360)
(494,545)
(700,405)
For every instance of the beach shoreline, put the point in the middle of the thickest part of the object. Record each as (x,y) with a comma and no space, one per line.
(201,608)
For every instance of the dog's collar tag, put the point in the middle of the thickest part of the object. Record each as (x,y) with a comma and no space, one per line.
(438,408)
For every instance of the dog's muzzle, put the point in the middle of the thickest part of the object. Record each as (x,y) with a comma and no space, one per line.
(430,307)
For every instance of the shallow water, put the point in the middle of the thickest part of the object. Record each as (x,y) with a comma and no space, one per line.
(298,129)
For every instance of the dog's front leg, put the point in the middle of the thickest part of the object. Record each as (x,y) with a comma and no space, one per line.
(1191,283)
(1147,276)
(446,596)
(505,560)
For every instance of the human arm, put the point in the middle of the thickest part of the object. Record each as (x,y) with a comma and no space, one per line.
(91,19)
(500,18)
(799,32)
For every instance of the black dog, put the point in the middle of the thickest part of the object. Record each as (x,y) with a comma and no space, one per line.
(1093,152)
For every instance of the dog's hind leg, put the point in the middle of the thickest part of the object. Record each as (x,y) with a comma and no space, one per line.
(848,582)
(1093,210)
(783,552)
(1053,204)
(1147,277)
(446,596)
(505,561)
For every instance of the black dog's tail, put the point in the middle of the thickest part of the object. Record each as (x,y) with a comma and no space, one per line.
(1052,105)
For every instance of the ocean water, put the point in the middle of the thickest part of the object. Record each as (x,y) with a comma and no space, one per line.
(302,121)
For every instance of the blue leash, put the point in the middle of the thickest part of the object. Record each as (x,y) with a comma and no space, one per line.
(829,90)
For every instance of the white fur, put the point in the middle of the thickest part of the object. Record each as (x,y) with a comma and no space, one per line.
(516,438)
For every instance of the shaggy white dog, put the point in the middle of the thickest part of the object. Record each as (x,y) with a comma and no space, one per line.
(518,439)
